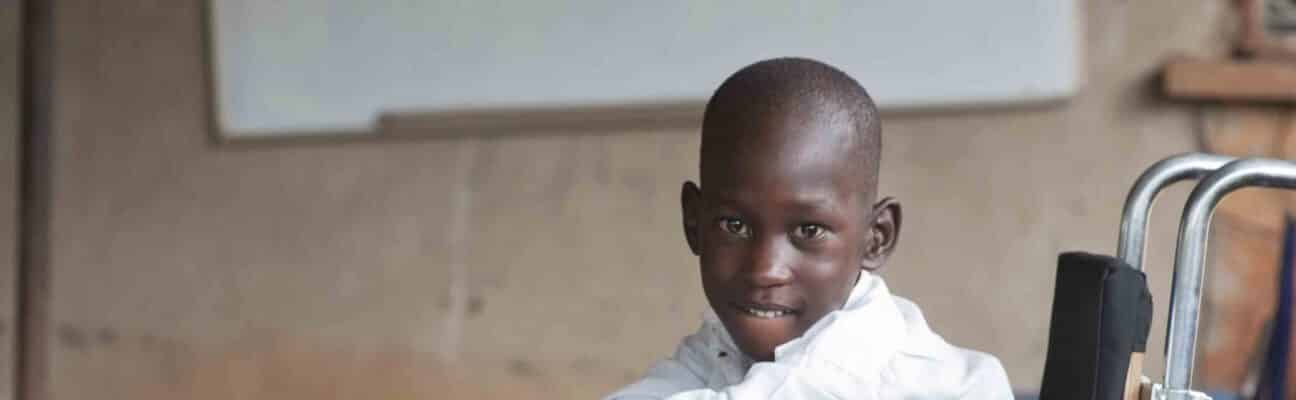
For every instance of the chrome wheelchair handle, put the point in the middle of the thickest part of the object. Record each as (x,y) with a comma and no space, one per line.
(1138,204)
(1190,256)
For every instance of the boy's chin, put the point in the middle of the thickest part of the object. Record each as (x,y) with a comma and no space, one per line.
(766,355)
(758,338)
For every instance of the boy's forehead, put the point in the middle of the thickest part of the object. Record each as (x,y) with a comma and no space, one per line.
(797,157)
(780,142)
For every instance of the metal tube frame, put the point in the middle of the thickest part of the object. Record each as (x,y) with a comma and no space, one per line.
(1135,216)
(1138,204)
(1190,257)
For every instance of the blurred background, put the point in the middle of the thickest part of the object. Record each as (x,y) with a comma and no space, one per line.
(274,200)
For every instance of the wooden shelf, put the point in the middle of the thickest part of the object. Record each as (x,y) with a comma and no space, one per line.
(1251,81)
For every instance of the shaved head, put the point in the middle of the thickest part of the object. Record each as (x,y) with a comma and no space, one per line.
(800,91)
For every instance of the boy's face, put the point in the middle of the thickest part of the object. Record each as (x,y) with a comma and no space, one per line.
(782,227)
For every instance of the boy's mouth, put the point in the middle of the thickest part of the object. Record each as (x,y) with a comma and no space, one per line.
(764,311)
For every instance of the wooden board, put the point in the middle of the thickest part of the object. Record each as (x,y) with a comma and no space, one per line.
(1230,81)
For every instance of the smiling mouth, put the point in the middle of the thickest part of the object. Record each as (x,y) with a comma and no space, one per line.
(765,311)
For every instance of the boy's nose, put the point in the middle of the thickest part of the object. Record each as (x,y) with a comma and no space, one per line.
(770,263)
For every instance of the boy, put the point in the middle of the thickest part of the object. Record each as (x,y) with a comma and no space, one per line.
(788,233)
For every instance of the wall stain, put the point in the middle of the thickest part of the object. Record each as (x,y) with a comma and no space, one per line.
(148,342)
(106,336)
(523,368)
(71,337)
(1078,208)
(476,304)
(584,365)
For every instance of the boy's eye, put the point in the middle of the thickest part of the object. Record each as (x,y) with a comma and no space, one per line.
(736,227)
(809,231)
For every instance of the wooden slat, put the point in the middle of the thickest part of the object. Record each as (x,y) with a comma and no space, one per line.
(502,122)
(32,275)
(10,50)
(1230,80)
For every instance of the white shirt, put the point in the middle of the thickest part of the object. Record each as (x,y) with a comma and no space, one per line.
(878,346)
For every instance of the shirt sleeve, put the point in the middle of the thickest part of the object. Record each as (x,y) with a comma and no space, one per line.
(988,380)
(683,377)
(772,380)
(679,373)
(954,374)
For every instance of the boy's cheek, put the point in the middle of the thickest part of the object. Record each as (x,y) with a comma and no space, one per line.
(720,260)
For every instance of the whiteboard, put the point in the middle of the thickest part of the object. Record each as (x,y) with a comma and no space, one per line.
(292,66)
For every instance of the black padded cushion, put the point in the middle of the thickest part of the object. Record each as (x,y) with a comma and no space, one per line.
(1102,311)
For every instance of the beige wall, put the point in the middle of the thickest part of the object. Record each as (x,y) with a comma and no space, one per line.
(9,58)
(547,265)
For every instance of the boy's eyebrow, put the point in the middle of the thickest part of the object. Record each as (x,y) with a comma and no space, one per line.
(816,204)
(803,202)
(724,198)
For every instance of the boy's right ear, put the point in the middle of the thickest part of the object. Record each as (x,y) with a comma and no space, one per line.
(690,205)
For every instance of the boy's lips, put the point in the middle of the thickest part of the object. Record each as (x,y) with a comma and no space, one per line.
(765,310)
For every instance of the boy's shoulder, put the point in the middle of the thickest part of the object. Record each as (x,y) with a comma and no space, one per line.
(931,366)
(887,338)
